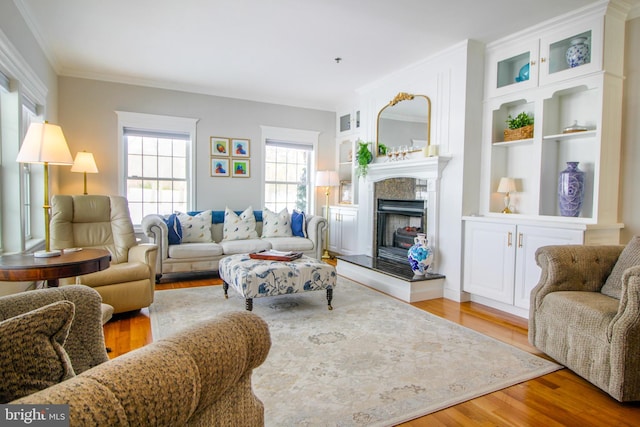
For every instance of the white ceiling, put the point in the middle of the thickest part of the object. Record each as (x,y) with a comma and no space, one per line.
(279,51)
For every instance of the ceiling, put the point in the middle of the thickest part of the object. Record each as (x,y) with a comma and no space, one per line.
(278,51)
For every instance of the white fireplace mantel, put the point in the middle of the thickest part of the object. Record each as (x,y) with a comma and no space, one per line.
(421,168)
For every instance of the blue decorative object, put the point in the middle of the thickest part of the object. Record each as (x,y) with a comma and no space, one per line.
(524,73)
(420,255)
(571,190)
(578,53)
(175,229)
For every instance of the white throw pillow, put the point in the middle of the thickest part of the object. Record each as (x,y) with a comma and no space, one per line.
(239,227)
(276,224)
(195,228)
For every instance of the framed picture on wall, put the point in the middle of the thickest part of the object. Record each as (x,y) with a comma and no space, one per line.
(219,166)
(219,146)
(240,168)
(240,147)
(345,196)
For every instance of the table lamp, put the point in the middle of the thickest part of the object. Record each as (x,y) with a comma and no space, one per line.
(327,179)
(85,163)
(44,143)
(507,185)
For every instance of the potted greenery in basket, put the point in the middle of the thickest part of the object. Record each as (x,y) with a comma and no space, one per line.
(520,127)
(363,158)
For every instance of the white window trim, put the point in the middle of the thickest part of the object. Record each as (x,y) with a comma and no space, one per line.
(158,123)
(294,135)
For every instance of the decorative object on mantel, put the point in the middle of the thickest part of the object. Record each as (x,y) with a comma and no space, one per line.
(571,190)
(520,127)
(420,255)
(506,186)
(575,127)
(578,53)
(327,179)
(363,158)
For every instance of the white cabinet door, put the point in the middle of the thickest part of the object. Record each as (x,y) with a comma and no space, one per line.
(529,239)
(489,260)
(349,230)
(334,230)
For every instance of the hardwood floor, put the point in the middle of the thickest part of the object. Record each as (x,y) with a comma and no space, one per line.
(557,399)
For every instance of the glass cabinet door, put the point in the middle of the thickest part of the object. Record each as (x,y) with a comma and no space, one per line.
(513,68)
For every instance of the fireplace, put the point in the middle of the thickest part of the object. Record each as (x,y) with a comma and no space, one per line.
(398,222)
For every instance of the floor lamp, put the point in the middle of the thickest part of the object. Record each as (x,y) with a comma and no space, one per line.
(44,143)
(84,163)
(327,179)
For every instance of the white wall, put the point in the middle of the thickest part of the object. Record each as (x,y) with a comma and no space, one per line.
(630,169)
(87,115)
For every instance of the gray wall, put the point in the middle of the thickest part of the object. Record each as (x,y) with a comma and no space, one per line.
(87,115)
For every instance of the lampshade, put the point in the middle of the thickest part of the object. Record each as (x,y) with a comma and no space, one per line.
(84,162)
(507,185)
(45,143)
(327,179)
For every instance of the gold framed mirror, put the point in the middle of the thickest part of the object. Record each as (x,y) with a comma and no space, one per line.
(405,121)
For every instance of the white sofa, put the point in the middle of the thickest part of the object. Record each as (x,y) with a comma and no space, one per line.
(197,257)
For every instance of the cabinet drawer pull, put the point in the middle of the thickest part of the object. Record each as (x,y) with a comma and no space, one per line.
(533,63)
(519,240)
(543,59)
(509,237)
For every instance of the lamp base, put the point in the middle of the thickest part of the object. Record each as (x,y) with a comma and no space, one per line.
(506,210)
(47,254)
(326,255)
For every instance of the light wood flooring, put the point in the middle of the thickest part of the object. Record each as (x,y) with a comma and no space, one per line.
(557,399)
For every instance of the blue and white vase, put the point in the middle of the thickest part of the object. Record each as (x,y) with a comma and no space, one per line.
(420,255)
(571,190)
(578,53)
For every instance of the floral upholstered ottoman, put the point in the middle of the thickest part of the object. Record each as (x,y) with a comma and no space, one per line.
(256,278)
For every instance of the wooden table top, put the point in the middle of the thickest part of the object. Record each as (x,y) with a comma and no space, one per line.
(26,267)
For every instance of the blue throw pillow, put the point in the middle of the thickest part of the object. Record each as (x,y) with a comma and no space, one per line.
(175,229)
(298,223)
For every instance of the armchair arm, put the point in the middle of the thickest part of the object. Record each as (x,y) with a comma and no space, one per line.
(624,335)
(572,268)
(146,253)
(205,379)
(85,342)
(156,229)
(316,227)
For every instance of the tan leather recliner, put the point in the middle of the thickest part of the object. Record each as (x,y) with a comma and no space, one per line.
(103,222)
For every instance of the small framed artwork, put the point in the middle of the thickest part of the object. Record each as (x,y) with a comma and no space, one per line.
(219,166)
(219,146)
(345,195)
(240,147)
(240,168)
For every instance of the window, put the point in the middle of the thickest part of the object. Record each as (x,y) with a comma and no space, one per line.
(29,115)
(286,183)
(157,170)
(156,173)
(289,165)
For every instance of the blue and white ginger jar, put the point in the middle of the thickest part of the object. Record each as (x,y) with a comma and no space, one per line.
(578,53)
(420,255)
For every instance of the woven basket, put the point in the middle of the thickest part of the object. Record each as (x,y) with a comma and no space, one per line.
(524,132)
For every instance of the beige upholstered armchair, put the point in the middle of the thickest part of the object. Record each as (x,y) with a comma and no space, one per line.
(585,313)
(103,222)
(198,377)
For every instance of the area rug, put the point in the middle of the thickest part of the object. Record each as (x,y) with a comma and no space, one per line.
(372,361)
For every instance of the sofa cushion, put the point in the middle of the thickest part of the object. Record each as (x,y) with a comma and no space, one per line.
(629,257)
(231,247)
(175,229)
(298,223)
(239,227)
(195,228)
(195,250)
(31,345)
(295,244)
(276,224)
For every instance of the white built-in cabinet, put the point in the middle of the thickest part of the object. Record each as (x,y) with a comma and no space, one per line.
(500,258)
(343,230)
(499,249)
